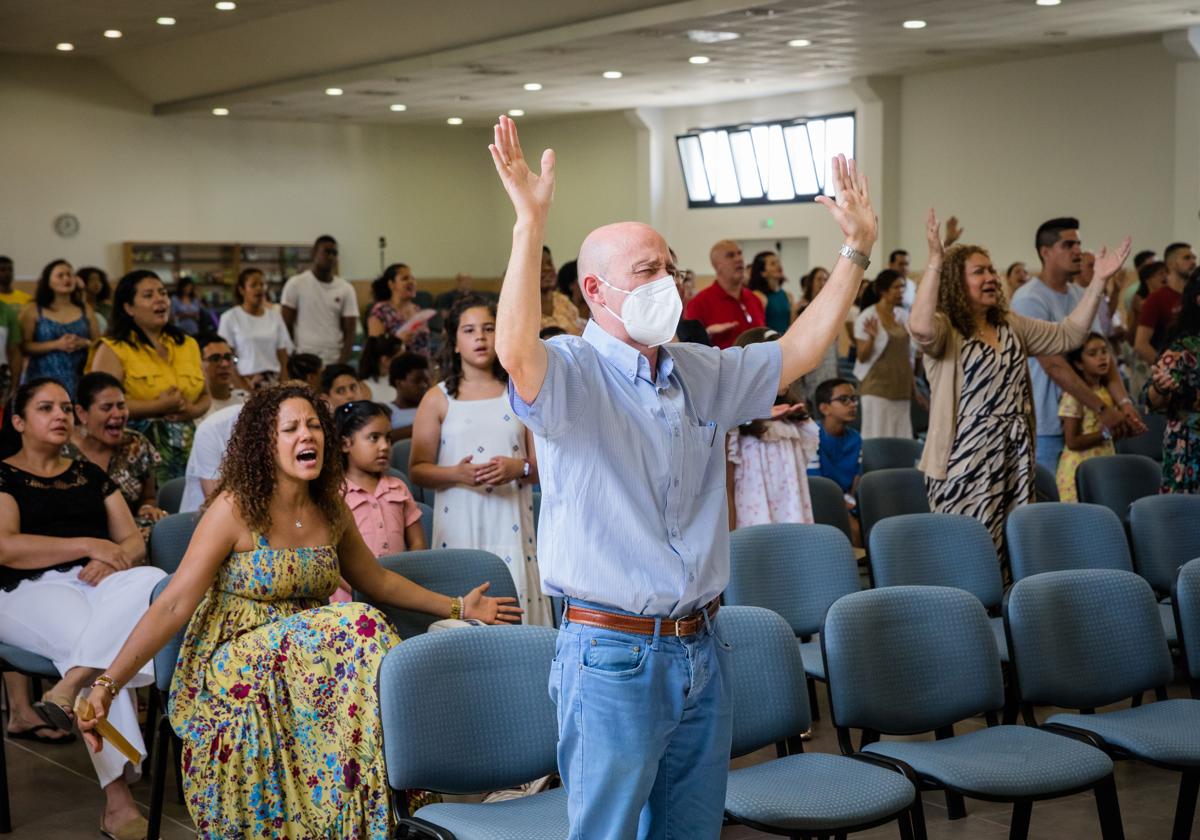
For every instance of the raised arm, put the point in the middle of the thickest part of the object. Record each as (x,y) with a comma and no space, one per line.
(804,344)
(921,319)
(1108,263)
(519,312)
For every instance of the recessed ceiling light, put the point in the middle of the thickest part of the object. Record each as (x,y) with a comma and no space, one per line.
(112,33)
(165,21)
(699,59)
(454,121)
(914,24)
(532,86)
(64,47)
(398,107)
(708,36)
(516,112)
(1049,2)
(612,74)
(220,112)
(334,91)
(799,42)
(226,6)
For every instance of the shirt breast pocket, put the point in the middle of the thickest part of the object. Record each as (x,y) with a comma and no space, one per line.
(144,386)
(703,458)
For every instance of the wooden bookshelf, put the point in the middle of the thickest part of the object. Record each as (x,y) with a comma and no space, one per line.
(215,266)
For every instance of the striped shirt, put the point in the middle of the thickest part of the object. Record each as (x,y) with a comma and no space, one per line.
(633,471)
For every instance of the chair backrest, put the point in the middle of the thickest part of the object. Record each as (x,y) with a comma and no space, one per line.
(450,571)
(165,659)
(1117,481)
(1057,535)
(829,508)
(169,540)
(909,659)
(426,522)
(890,492)
(400,452)
(466,711)
(791,569)
(937,549)
(890,453)
(1085,638)
(770,703)
(1150,443)
(1045,484)
(1165,536)
(1185,595)
(170,495)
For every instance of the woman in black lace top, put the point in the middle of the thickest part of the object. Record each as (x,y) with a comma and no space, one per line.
(71,581)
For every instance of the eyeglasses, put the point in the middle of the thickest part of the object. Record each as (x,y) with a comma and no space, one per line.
(845,399)
(217,358)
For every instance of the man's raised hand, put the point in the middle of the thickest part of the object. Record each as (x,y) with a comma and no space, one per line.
(852,207)
(529,192)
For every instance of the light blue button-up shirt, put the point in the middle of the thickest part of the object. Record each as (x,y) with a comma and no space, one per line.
(633,471)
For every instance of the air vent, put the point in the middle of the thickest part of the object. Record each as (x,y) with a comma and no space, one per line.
(376,92)
(483,70)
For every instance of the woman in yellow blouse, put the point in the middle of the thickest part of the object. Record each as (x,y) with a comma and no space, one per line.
(159,366)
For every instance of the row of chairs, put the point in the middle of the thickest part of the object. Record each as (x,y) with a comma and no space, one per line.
(903,661)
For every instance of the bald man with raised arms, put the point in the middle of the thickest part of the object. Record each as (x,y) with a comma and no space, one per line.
(633,530)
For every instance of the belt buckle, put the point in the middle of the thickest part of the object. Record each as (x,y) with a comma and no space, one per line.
(678,635)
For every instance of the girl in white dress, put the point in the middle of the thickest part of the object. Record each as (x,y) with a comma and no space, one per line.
(469,446)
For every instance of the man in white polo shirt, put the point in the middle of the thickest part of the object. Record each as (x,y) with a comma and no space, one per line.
(204,461)
(320,308)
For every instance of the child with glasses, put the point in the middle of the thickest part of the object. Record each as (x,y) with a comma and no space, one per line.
(839,456)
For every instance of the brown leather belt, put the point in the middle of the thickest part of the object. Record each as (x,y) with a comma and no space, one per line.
(640,625)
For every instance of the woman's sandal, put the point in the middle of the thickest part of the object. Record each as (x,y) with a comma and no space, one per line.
(134,829)
(56,711)
(35,734)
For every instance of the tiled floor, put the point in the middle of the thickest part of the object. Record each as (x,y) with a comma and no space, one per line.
(54,797)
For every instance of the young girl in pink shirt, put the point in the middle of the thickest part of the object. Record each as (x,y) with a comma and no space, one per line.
(384,510)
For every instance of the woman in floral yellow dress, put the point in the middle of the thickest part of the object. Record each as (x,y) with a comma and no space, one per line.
(274,692)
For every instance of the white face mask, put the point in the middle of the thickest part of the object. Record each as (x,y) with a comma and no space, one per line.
(651,312)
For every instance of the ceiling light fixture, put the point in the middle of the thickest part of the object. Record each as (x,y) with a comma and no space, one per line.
(532,86)
(226,6)
(220,112)
(398,107)
(914,24)
(165,21)
(454,121)
(334,91)
(799,42)
(516,112)
(699,59)
(112,33)
(612,74)
(708,36)
(64,47)
(1049,2)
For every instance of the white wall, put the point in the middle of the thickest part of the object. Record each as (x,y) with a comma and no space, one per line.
(1007,146)
(76,140)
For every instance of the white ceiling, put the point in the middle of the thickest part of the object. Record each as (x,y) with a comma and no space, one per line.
(445,58)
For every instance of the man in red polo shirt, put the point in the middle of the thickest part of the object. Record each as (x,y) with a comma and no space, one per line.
(726,308)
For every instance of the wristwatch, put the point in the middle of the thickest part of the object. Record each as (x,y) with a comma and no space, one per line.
(525,471)
(1105,433)
(857,257)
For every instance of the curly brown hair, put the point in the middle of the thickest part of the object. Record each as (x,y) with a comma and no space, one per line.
(952,291)
(248,469)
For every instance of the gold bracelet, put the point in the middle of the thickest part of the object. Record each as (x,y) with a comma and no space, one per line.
(108,684)
(456,608)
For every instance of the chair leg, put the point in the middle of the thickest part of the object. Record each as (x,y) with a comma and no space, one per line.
(1109,809)
(5,815)
(1185,806)
(812,698)
(178,761)
(1018,829)
(955,807)
(162,749)
(904,825)
(149,730)
(916,813)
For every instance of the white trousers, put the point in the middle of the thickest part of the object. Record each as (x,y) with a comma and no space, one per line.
(885,418)
(75,625)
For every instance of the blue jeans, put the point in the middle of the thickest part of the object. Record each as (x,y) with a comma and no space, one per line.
(1049,447)
(645,725)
